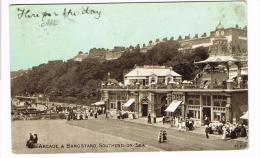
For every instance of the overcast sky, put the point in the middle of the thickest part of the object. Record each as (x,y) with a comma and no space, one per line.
(59,36)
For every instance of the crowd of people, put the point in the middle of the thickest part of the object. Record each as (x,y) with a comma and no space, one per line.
(226,129)
(162,136)
(84,114)
(32,141)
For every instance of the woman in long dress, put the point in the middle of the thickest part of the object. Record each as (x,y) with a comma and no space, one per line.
(224,136)
(160,136)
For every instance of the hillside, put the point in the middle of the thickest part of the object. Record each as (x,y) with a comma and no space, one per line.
(80,81)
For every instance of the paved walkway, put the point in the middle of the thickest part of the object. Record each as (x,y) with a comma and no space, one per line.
(198,130)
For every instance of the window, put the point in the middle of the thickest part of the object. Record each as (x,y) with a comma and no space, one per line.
(113,105)
(146,81)
(219,100)
(161,79)
(194,112)
(121,96)
(197,102)
(152,79)
(178,97)
(112,96)
(219,116)
(194,100)
(206,100)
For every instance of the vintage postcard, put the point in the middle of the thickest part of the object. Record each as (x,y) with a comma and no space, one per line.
(129,77)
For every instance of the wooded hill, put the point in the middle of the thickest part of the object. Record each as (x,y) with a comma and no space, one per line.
(80,82)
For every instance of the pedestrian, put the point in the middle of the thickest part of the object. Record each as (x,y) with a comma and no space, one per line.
(160,136)
(35,139)
(149,118)
(206,120)
(30,141)
(207,131)
(164,135)
(180,124)
(163,119)
(224,136)
(172,121)
(243,132)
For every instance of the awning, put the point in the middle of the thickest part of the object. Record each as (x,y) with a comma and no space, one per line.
(98,103)
(129,102)
(245,116)
(173,106)
(217,59)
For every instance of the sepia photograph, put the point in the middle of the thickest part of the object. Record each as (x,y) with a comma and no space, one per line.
(129,77)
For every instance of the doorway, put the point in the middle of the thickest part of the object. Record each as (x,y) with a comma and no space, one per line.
(206,111)
(119,107)
(144,110)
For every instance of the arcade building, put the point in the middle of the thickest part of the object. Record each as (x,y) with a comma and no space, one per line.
(213,94)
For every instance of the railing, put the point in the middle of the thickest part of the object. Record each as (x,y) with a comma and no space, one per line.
(176,86)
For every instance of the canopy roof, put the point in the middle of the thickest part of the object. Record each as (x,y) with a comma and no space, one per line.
(99,103)
(129,102)
(245,116)
(146,71)
(173,106)
(217,59)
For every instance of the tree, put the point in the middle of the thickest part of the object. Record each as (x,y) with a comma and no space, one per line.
(165,39)
(204,34)
(137,46)
(80,52)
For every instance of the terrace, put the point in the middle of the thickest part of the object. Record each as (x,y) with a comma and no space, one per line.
(230,85)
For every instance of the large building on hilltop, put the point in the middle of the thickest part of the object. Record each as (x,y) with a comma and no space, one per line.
(221,41)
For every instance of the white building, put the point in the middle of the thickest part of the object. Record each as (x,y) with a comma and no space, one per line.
(146,75)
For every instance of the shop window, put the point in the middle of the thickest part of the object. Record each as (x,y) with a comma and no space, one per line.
(219,116)
(194,114)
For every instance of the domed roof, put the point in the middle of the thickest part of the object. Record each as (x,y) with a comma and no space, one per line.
(219,26)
